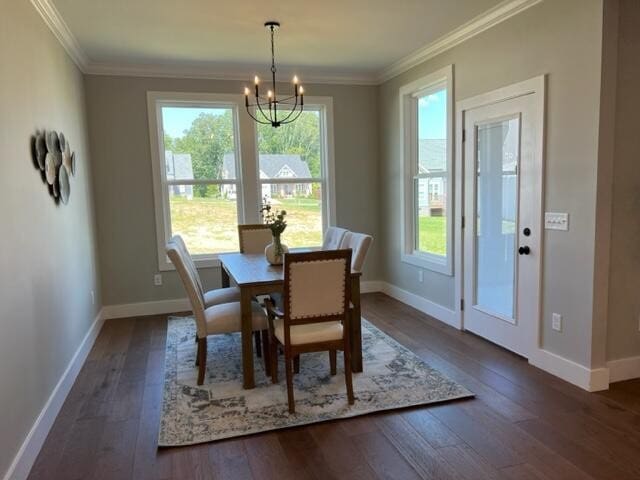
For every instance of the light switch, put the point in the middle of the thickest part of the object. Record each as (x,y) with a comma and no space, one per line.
(556,221)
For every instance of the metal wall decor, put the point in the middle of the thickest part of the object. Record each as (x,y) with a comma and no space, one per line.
(265,110)
(52,156)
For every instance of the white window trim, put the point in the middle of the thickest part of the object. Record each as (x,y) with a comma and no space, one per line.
(248,182)
(409,156)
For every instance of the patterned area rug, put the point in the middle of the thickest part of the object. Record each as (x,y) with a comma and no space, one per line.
(393,377)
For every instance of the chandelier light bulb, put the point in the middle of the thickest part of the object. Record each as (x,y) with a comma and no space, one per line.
(246,91)
(295,79)
(256,80)
(269,94)
(301,90)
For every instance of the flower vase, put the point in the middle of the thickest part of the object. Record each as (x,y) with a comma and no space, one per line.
(275,251)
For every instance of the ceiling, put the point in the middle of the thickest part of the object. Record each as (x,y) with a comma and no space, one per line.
(350,38)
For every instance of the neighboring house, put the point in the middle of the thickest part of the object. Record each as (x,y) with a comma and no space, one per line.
(432,159)
(272,166)
(179,167)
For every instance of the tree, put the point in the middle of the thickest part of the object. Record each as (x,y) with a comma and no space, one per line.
(208,139)
(298,138)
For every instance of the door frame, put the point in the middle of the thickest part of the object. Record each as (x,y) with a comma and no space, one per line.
(534,86)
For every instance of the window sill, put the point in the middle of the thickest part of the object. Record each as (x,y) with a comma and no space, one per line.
(429,262)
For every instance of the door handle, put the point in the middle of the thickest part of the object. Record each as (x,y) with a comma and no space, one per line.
(524,250)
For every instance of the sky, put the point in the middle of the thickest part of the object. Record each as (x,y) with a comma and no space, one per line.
(432,115)
(175,120)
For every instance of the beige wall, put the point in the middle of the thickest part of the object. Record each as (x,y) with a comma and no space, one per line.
(47,252)
(119,137)
(563,40)
(623,337)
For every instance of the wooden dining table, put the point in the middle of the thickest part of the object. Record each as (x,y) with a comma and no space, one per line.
(255,276)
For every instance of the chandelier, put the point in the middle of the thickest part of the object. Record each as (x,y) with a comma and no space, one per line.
(272,110)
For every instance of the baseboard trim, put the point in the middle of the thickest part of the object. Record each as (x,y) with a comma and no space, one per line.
(161,307)
(624,369)
(30,448)
(591,380)
(146,308)
(435,310)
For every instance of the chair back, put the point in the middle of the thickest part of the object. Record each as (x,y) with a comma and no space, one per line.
(196,299)
(317,286)
(359,244)
(188,260)
(333,237)
(254,238)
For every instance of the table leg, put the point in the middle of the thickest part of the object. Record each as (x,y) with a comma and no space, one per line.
(247,339)
(224,277)
(356,327)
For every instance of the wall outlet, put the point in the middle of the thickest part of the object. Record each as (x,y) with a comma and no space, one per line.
(420,275)
(556,322)
(157,279)
(93,297)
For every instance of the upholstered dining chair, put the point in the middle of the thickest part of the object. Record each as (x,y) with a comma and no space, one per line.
(315,318)
(359,244)
(254,238)
(211,297)
(216,319)
(333,237)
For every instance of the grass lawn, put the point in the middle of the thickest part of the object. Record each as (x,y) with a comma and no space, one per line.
(210,224)
(432,235)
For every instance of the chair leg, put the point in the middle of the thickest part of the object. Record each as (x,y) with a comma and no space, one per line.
(267,353)
(273,357)
(289,371)
(197,352)
(332,361)
(347,375)
(256,337)
(296,364)
(202,359)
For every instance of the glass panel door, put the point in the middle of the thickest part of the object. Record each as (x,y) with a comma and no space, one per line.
(497,154)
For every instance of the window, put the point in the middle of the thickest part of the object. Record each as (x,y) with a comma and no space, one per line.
(426,124)
(208,178)
(291,175)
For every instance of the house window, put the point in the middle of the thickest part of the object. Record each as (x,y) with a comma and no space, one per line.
(205,184)
(427,126)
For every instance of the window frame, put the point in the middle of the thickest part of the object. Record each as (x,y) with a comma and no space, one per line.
(408,99)
(247,181)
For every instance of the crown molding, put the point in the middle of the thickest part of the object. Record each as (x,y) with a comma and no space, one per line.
(58,26)
(219,72)
(498,14)
(479,24)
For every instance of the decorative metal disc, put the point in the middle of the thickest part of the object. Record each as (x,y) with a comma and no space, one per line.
(73,164)
(41,149)
(50,168)
(63,184)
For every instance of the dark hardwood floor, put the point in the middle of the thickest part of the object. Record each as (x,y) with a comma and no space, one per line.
(523,423)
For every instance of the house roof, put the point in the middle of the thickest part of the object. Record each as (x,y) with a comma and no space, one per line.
(271,166)
(432,155)
(179,165)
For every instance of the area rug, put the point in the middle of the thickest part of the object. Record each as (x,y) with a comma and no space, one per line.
(393,378)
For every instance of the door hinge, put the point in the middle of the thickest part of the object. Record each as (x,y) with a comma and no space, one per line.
(462,304)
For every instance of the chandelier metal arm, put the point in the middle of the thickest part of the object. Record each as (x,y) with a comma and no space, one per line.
(268,122)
